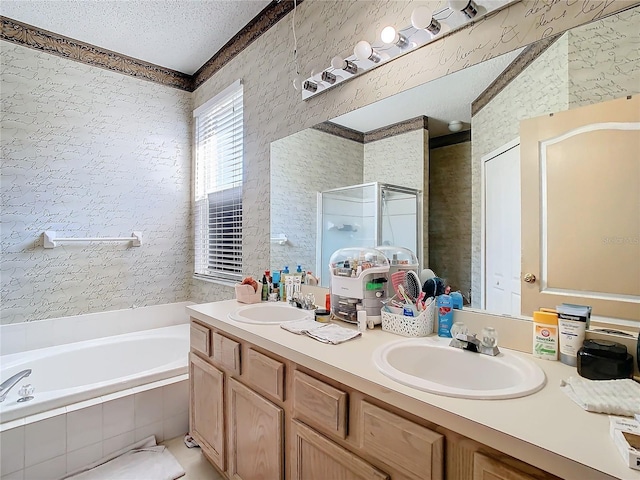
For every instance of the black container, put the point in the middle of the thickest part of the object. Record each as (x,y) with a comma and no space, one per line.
(604,360)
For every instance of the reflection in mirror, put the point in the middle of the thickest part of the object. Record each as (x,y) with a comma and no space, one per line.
(587,65)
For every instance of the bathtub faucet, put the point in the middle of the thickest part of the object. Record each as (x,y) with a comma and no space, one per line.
(11,382)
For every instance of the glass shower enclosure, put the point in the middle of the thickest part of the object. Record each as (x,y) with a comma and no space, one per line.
(367,215)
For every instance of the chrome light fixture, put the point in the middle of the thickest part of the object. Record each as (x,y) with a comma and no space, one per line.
(340,63)
(467,7)
(422,19)
(390,36)
(364,51)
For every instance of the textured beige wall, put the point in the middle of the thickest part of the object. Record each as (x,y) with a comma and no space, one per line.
(274,110)
(450,214)
(574,71)
(88,152)
(301,166)
(136,158)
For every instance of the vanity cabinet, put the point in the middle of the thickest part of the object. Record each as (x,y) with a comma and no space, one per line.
(487,468)
(314,457)
(206,412)
(259,416)
(255,435)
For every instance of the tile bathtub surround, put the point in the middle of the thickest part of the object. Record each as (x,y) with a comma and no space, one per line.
(18,337)
(89,152)
(47,448)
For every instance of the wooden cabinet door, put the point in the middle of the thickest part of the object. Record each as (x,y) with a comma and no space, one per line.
(206,412)
(255,435)
(487,468)
(315,457)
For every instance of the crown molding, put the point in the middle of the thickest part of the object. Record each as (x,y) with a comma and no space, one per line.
(33,37)
(416,123)
(515,68)
(61,46)
(267,18)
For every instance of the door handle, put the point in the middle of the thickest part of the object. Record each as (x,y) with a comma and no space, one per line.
(529,278)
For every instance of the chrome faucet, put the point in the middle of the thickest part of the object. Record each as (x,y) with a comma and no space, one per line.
(487,346)
(11,382)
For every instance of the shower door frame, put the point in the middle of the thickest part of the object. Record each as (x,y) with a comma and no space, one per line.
(379,188)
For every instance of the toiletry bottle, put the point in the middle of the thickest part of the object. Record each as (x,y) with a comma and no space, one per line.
(286,269)
(572,327)
(361,315)
(265,286)
(445,315)
(456,299)
(545,335)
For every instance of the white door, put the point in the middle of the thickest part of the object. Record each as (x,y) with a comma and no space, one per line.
(502,229)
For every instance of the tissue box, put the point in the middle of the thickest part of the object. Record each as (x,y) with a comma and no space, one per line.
(246,294)
(626,437)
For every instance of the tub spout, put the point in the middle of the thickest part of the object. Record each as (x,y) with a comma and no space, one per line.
(11,382)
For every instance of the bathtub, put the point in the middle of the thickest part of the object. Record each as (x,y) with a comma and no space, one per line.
(66,374)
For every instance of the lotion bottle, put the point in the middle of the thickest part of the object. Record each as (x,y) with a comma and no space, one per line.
(545,335)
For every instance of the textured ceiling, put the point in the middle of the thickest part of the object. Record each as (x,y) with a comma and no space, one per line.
(177,34)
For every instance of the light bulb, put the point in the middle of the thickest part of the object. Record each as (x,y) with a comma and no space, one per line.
(455,125)
(363,51)
(422,19)
(390,36)
(468,7)
(297,82)
(340,63)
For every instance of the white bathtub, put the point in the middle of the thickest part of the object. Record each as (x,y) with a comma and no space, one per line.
(66,374)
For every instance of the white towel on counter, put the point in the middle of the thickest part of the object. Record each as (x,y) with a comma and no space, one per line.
(333,334)
(302,326)
(323,332)
(614,397)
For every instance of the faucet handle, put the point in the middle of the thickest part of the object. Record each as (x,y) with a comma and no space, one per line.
(26,393)
(489,337)
(458,328)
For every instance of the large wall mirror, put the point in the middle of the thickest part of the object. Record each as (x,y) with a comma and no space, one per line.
(454,140)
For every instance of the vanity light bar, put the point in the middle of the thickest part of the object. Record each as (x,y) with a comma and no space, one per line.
(394,43)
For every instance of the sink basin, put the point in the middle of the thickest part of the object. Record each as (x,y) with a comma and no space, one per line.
(269,313)
(430,364)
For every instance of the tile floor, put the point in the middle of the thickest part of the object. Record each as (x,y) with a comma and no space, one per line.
(192,460)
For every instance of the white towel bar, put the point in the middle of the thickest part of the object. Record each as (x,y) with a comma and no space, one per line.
(280,239)
(51,239)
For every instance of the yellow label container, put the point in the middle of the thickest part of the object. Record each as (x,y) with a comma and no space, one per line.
(545,335)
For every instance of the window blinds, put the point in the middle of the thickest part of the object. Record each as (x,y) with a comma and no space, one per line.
(218,186)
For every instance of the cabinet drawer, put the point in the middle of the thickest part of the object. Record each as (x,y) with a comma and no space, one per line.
(226,353)
(319,404)
(411,448)
(264,373)
(200,338)
(316,457)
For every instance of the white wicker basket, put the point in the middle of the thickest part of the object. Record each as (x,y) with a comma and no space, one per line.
(419,326)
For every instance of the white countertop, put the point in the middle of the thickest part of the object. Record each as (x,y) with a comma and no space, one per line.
(545,429)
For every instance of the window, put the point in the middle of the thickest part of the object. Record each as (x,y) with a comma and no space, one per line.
(218,186)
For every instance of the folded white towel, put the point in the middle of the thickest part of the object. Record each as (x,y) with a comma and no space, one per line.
(301,326)
(615,397)
(333,334)
(323,332)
